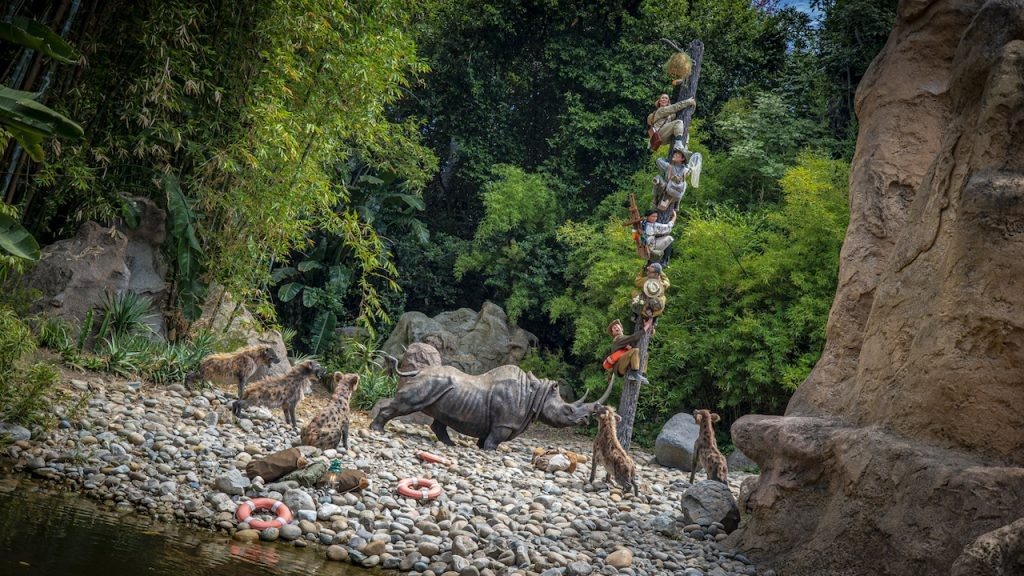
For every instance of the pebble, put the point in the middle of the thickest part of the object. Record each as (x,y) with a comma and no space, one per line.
(171,453)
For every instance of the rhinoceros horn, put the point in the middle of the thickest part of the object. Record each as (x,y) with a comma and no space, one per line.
(395,362)
(600,401)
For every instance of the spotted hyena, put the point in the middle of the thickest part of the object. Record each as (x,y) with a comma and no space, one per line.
(284,391)
(330,426)
(235,367)
(609,451)
(705,449)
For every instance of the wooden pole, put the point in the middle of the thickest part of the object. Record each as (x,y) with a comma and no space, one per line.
(630,388)
(631,391)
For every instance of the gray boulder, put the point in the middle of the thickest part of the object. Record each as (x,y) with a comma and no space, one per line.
(74,275)
(13,432)
(674,446)
(146,268)
(298,499)
(473,342)
(234,482)
(709,501)
(739,462)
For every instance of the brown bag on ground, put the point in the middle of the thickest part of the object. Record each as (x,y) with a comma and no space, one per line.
(345,481)
(272,467)
(555,459)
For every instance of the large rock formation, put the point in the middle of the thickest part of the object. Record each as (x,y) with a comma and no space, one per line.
(473,342)
(75,275)
(904,445)
(232,322)
(147,271)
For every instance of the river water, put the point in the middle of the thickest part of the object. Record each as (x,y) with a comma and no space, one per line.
(46,533)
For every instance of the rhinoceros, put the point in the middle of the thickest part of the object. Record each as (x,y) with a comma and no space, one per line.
(493,407)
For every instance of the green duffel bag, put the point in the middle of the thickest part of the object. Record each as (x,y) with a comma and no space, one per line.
(308,476)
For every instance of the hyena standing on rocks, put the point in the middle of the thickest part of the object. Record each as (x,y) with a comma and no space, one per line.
(284,391)
(330,426)
(613,456)
(705,449)
(238,366)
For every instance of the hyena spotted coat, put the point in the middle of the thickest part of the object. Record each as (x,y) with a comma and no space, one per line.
(705,449)
(284,391)
(609,451)
(235,367)
(330,426)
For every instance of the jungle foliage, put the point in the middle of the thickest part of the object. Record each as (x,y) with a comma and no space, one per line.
(233,116)
(334,164)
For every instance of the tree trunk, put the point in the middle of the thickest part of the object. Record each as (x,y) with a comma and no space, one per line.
(688,89)
(631,391)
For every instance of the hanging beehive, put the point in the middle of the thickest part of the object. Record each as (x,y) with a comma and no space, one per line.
(679,67)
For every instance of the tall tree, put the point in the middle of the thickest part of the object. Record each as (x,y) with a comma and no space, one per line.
(852,33)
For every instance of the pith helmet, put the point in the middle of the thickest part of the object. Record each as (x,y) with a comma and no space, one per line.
(614,322)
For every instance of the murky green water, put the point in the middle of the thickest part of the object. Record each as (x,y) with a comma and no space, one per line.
(44,533)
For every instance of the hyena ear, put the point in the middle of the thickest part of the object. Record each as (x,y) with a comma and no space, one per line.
(715,417)
(698,416)
(354,380)
(618,418)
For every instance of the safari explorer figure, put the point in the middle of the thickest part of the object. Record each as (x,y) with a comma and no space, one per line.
(650,302)
(624,359)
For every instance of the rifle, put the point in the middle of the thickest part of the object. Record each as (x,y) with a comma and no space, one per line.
(636,221)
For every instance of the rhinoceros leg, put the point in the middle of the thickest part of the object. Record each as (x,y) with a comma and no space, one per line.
(497,436)
(441,431)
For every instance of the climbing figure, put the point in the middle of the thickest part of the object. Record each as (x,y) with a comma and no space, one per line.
(624,359)
(657,236)
(663,126)
(650,302)
(670,184)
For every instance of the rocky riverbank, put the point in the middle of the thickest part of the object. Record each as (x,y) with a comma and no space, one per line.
(177,455)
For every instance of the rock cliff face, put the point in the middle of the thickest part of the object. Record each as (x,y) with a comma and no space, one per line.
(905,443)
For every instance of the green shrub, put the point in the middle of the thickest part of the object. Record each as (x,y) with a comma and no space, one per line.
(373,386)
(354,355)
(27,392)
(173,361)
(125,314)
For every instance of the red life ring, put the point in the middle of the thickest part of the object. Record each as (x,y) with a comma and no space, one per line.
(433,458)
(245,510)
(419,488)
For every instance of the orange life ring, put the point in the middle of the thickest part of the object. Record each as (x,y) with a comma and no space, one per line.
(419,488)
(433,458)
(245,510)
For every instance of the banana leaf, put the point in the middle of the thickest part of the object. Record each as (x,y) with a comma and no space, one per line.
(288,291)
(186,252)
(16,240)
(323,327)
(32,34)
(31,122)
